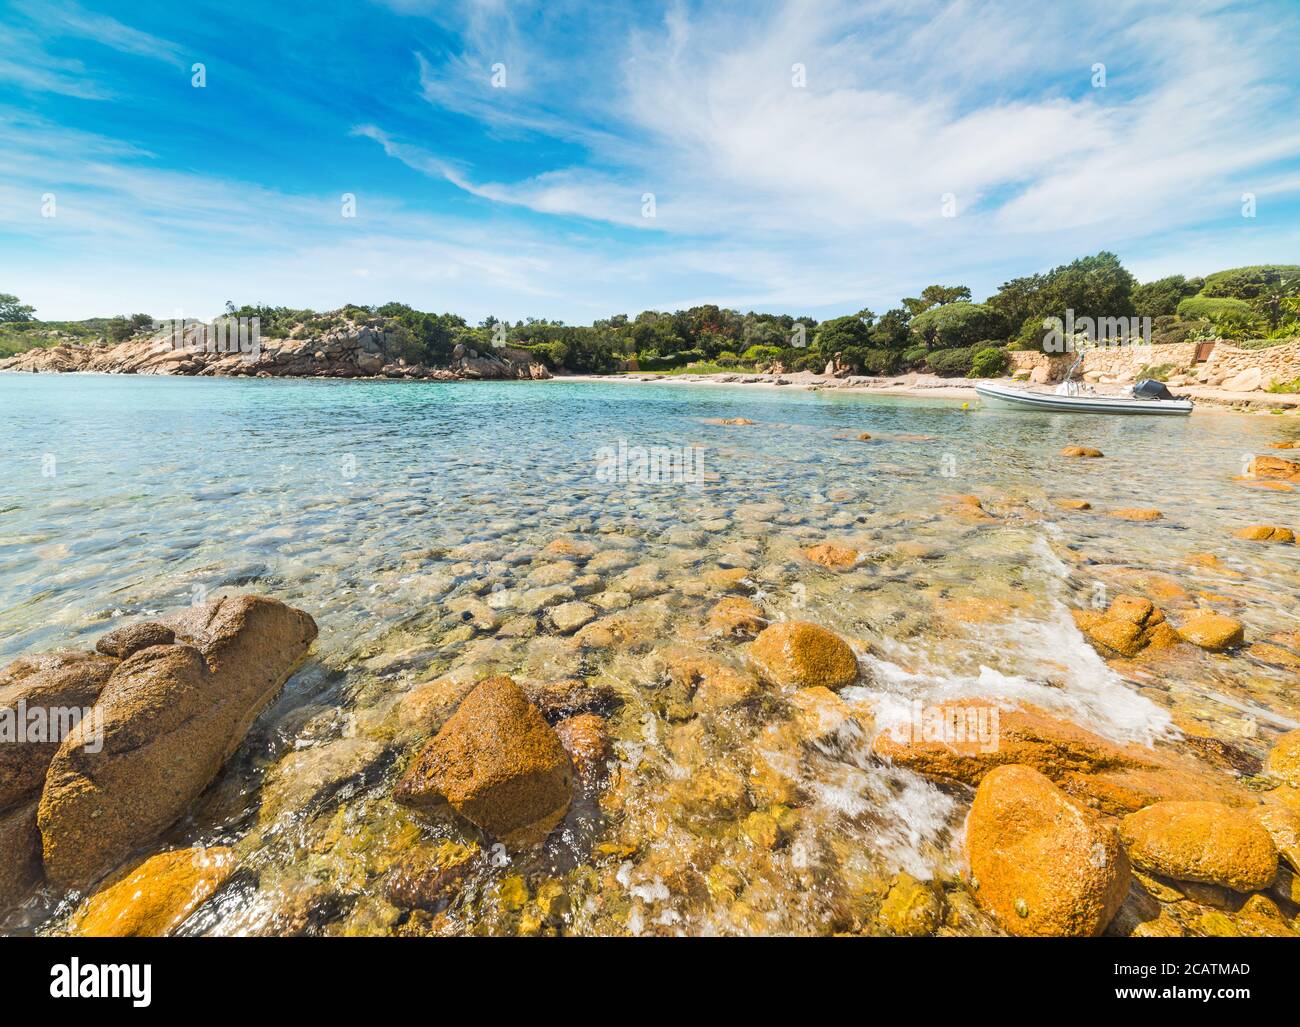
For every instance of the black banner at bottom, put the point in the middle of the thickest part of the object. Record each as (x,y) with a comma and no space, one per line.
(202,976)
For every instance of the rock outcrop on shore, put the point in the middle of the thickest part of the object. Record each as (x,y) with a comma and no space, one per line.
(350,351)
(151,730)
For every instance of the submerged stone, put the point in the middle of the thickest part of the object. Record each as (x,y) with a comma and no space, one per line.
(497,763)
(801,655)
(1040,863)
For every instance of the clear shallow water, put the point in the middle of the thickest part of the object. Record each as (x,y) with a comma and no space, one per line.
(375,505)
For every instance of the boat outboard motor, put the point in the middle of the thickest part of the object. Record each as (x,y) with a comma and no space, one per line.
(1149,388)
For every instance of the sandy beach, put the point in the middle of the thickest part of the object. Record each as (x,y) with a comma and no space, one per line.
(928,386)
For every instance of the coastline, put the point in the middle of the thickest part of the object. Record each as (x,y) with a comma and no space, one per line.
(922,386)
(909,386)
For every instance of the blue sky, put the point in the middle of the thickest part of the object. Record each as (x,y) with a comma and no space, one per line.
(817,191)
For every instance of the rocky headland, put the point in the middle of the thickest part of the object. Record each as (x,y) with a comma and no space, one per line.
(348,349)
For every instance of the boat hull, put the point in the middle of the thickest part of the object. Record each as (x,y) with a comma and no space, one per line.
(1019,399)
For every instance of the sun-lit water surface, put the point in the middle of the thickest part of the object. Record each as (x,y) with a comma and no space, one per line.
(373,505)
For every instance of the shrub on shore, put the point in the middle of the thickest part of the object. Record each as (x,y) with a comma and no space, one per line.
(952,363)
(989,361)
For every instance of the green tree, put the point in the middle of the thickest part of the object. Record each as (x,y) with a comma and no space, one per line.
(1096,286)
(958,324)
(893,330)
(936,296)
(840,334)
(11,310)
(1248,283)
(1161,297)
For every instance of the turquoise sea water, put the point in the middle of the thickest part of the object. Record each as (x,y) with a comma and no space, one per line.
(375,505)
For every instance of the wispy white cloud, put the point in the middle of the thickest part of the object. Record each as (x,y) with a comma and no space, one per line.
(25,51)
(903,104)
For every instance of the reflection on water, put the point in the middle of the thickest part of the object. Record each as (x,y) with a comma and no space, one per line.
(380,508)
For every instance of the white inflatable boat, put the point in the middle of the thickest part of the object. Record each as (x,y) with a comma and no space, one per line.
(1072,398)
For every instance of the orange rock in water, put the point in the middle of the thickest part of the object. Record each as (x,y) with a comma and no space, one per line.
(831,556)
(799,654)
(586,739)
(1040,863)
(1201,841)
(1211,631)
(497,763)
(967,508)
(1083,451)
(1137,513)
(1284,758)
(1129,625)
(1274,467)
(1073,504)
(1275,656)
(964,739)
(729,579)
(1265,533)
(1268,486)
(156,896)
(737,617)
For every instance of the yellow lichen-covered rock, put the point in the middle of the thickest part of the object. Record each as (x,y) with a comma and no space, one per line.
(155,897)
(1129,625)
(1081,451)
(737,617)
(1137,513)
(964,739)
(1273,467)
(1212,631)
(1283,825)
(497,763)
(1259,917)
(1265,533)
(1201,841)
(831,556)
(728,579)
(801,655)
(1284,758)
(1040,863)
(911,908)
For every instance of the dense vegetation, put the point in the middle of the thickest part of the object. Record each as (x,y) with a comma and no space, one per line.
(942,329)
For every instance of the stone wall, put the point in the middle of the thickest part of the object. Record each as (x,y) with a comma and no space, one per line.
(1233,367)
(1121,361)
(1228,365)
(1041,367)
